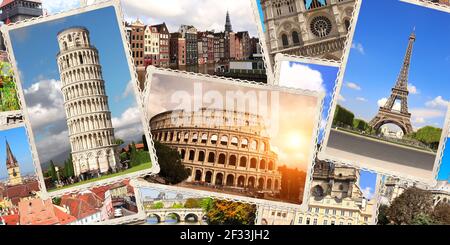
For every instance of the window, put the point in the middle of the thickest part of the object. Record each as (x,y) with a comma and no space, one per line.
(308,221)
(317,210)
(321,26)
(350,213)
(300,220)
(342,213)
(366,219)
(333,222)
(325,222)
(327,211)
(341,223)
(284,39)
(295,38)
(334,211)
(315,222)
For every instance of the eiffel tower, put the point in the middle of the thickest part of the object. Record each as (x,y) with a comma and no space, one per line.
(386,114)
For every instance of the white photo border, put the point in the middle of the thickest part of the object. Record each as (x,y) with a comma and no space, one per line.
(152,70)
(5,29)
(445,130)
(272,68)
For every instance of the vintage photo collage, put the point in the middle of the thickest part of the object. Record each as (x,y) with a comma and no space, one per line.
(261,112)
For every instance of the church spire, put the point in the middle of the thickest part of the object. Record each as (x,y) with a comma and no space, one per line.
(228,27)
(11,161)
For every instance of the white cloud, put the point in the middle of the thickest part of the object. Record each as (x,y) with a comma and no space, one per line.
(353,86)
(47,109)
(413,89)
(358,47)
(203,14)
(421,115)
(128,126)
(341,98)
(300,76)
(368,192)
(437,102)
(361,99)
(55,6)
(382,102)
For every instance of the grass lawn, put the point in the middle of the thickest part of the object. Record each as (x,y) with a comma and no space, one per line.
(128,171)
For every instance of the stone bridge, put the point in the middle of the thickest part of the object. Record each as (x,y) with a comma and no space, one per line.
(182,214)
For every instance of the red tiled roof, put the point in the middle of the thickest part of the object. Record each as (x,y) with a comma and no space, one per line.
(17,192)
(37,212)
(63,217)
(12,219)
(80,206)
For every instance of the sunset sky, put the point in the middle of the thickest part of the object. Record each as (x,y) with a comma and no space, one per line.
(293,126)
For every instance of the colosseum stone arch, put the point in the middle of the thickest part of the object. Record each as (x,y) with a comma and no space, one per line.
(237,156)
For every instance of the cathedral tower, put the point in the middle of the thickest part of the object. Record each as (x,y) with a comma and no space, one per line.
(228,27)
(13,167)
(86,104)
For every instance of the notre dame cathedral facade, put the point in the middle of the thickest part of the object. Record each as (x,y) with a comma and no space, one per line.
(312,28)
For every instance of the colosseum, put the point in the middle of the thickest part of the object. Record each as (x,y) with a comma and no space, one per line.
(233,152)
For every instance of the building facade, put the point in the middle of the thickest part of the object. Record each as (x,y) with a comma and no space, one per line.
(393,188)
(151,46)
(88,116)
(235,155)
(316,28)
(189,33)
(336,199)
(177,49)
(138,42)
(164,44)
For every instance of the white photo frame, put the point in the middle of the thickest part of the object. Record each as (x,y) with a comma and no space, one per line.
(115,4)
(364,165)
(151,71)
(271,64)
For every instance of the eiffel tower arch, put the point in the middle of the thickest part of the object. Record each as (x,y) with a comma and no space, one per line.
(387,114)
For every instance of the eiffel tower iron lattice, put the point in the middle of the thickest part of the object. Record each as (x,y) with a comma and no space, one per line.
(387,114)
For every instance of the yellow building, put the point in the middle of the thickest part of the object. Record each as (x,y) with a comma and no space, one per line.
(336,199)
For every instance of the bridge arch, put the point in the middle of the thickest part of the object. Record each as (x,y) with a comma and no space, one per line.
(191,218)
(154,216)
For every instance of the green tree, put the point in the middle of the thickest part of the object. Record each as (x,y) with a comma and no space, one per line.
(206,204)
(360,124)
(8,92)
(441,214)
(429,136)
(68,167)
(177,206)
(171,167)
(157,205)
(52,171)
(382,218)
(231,213)
(422,219)
(119,142)
(144,141)
(56,201)
(411,206)
(123,156)
(192,203)
(343,117)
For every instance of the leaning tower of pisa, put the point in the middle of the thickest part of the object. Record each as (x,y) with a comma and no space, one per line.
(86,104)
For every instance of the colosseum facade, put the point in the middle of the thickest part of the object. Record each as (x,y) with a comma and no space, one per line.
(233,152)
(88,116)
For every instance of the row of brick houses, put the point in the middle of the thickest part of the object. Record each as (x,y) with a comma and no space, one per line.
(155,45)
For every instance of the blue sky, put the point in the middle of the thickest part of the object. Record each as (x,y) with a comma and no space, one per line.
(379,47)
(444,172)
(311,77)
(18,141)
(368,183)
(261,14)
(35,49)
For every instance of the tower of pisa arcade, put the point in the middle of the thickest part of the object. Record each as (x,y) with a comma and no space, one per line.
(86,104)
